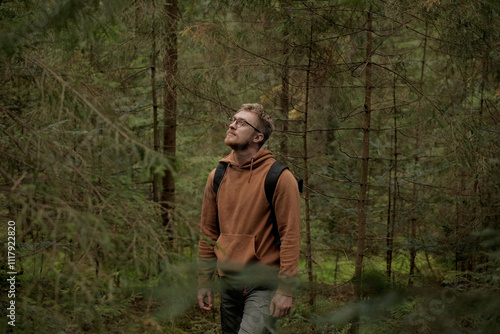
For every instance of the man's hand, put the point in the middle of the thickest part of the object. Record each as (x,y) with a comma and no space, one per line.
(202,294)
(280,306)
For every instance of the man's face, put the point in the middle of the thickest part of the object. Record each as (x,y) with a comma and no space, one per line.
(240,137)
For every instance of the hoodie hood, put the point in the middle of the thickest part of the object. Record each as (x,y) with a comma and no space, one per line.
(257,160)
(262,157)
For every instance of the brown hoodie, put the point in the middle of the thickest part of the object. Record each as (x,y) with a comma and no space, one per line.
(244,234)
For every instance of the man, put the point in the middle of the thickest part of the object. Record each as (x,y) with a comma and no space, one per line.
(257,275)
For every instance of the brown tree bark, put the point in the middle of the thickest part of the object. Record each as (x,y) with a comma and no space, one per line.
(156,132)
(285,89)
(306,179)
(414,217)
(392,218)
(362,197)
(170,114)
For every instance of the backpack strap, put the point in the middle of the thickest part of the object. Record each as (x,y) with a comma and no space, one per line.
(272,180)
(270,186)
(219,175)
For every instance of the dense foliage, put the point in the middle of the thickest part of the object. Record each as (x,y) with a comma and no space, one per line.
(408,89)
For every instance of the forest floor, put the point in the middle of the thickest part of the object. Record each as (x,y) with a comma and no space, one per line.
(441,309)
(145,314)
(433,307)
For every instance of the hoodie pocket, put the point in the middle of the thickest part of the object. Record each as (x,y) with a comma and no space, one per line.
(235,250)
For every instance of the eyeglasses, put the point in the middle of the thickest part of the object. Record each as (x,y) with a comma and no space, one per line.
(240,122)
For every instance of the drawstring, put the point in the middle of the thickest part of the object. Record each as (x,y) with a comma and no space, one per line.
(251,168)
(244,290)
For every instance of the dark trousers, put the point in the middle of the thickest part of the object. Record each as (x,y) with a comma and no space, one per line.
(245,310)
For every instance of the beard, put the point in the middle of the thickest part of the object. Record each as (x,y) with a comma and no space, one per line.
(235,144)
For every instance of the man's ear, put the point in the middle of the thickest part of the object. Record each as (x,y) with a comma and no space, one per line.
(257,139)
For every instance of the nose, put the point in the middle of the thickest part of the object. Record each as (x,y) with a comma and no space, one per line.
(232,125)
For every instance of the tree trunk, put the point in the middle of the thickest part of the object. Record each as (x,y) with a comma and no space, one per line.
(360,245)
(285,88)
(388,231)
(156,133)
(413,226)
(392,218)
(306,180)
(170,114)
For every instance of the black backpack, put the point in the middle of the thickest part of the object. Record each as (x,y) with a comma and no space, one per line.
(269,187)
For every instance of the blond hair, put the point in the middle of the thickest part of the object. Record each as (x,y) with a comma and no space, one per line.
(266,125)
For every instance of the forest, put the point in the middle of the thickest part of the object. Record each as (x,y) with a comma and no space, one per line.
(114,112)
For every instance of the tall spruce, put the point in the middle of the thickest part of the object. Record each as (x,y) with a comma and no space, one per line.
(170,64)
(363,189)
